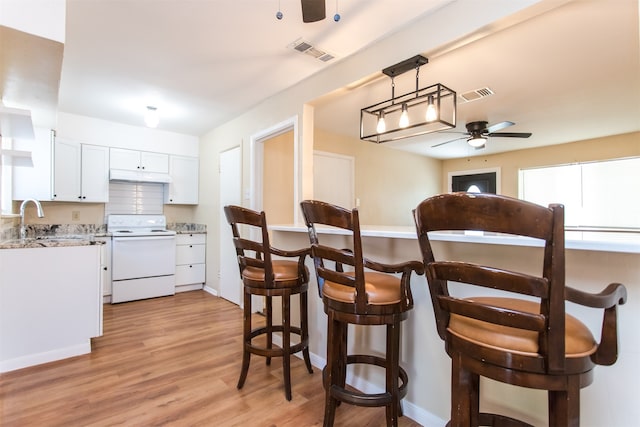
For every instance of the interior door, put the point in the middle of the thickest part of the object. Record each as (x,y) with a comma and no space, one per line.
(230,194)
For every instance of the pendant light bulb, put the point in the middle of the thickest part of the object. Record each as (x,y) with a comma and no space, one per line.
(404,117)
(432,112)
(151,118)
(381,126)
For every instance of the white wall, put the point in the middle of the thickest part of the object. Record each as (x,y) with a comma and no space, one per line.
(90,130)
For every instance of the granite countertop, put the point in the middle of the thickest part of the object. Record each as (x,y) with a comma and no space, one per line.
(49,242)
(187,228)
(57,235)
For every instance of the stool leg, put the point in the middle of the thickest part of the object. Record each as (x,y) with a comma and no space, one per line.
(269,325)
(392,372)
(246,339)
(333,353)
(564,405)
(465,395)
(286,343)
(304,330)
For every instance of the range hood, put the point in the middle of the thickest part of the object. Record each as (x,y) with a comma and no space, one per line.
(138,176)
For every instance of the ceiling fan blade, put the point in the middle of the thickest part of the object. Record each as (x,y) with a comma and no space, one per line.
(313,10)
(499,126)
(511,134)
(446,142)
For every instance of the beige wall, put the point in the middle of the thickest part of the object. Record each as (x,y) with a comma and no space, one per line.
(612,147)
(277,184)
(388,182)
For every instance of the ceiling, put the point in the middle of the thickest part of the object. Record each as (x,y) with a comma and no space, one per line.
(568,74)
(203,62)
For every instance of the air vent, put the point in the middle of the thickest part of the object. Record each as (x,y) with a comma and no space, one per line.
(476,94)
(307,48)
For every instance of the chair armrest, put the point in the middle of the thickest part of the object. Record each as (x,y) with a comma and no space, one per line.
(402,267)
(291,253)
(613,295)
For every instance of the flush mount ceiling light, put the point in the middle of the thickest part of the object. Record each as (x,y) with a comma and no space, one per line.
(425,110)
(151,118)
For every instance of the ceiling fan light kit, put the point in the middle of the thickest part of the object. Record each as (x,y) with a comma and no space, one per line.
(425,110)
(479,132)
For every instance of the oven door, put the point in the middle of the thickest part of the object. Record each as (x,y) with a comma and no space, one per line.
(143,256)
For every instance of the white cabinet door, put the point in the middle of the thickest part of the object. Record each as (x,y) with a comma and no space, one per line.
(183,188)
(154,162)
(124,159)
(67,157)
(95,174)
(80,172)
(134,160)
(35,182)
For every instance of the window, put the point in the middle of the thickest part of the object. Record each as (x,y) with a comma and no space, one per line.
(601,195)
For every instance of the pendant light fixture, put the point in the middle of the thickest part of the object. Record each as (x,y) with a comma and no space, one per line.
(425,110)
(151,118)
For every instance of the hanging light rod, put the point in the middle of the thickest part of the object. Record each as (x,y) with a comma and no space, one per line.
(406,65)
(425,110)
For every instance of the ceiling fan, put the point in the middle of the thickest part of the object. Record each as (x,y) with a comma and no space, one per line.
(478,133)
(313,10)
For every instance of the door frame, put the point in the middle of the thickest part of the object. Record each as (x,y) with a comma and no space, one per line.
(256,167)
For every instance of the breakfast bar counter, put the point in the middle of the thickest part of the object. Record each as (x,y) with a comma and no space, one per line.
(592,262)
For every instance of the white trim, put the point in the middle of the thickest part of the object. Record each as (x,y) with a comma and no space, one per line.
(254,193)
(45,357)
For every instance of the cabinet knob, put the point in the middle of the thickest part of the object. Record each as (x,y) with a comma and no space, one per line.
(190,266)
(79,197)
(138,167)
(104,268)
(190,246)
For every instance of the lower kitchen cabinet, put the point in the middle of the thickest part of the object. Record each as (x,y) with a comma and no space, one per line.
(190,261)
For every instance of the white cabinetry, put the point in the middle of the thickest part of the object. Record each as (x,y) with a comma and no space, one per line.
(80,172)
(183,188)
(50,304)
(133,160)
(106,268)
(190,261)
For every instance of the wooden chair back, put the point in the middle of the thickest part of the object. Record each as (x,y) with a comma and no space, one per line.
(252,245)
(499,214)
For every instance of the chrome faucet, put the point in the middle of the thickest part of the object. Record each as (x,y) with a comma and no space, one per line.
(23,229)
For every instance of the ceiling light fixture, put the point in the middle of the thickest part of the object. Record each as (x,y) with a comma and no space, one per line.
(151,118)
(477,141)
(426,110)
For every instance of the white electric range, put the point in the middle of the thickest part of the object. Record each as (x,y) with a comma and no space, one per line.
(143,257)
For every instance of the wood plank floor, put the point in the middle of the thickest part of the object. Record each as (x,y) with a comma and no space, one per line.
(171,361)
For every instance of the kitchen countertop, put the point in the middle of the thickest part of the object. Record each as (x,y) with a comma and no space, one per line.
(49,242)
(590,241)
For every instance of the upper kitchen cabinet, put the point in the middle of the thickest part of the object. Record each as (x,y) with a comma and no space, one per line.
(81,172)
(183,188)
(134,160)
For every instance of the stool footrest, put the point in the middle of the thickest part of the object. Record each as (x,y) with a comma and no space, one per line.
(496,420)
(358,398)
(275,351)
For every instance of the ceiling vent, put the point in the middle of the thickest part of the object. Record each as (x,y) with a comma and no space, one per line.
(474,95)
(307,48)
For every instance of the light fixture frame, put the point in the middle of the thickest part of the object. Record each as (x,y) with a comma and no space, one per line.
(444,99)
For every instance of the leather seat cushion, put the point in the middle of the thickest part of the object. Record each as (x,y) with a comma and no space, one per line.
(381,289)
(285,273)
(579,341)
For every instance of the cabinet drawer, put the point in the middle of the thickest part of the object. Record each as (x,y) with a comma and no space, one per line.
(190,254)
(192,273)
(191,239)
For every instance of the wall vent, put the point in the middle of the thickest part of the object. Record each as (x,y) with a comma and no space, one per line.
(307,48)
(475,94)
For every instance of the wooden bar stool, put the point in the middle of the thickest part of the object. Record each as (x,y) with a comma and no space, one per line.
(262,275)
(523,337)
(358,297)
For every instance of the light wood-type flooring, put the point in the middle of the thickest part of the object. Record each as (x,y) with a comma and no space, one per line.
(171,361)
